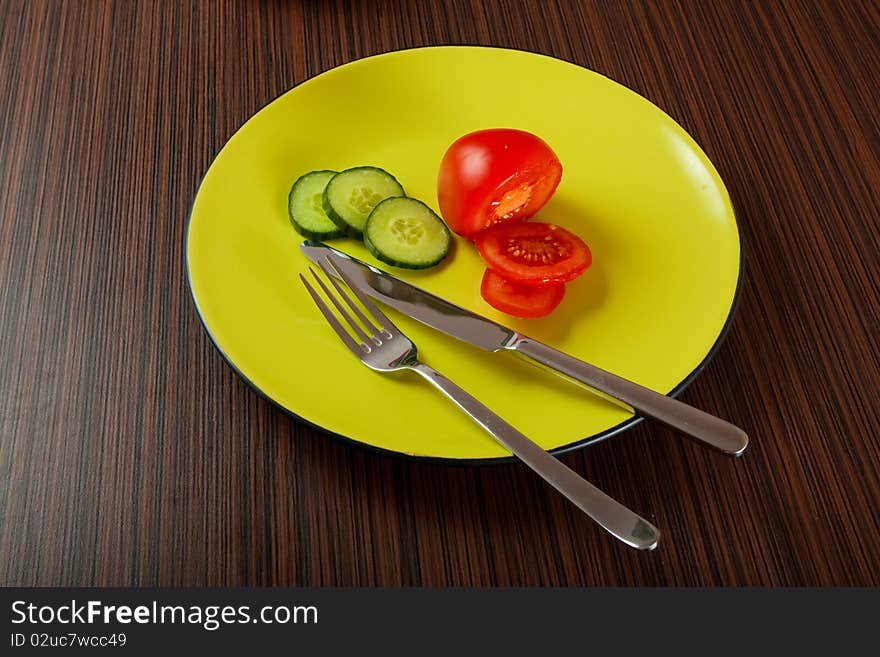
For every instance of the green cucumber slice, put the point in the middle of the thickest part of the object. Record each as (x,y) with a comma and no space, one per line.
(407,233)
(306,209)
(351,195)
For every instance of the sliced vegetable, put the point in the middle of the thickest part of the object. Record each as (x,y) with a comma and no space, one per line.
(351,195)
(306,210)
(495,176)
(405,232)
(533,253)
(520,300)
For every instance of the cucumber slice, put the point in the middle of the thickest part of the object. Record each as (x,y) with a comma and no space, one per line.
(306,209)
(351,195)
(405,232)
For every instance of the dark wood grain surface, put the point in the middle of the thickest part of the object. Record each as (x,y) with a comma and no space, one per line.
(131,454)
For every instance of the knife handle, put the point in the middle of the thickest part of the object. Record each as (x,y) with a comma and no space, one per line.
(606,511)
(696,424)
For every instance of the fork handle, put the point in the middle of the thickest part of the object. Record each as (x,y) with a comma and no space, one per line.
(693,422)
(610,514)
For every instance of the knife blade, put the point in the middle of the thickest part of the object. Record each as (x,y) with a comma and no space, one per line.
(486,334)
(419,304)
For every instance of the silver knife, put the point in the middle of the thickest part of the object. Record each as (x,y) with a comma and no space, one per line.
(481,332)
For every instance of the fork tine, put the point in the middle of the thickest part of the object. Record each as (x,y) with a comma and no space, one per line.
(331,318)
(351,304)
(380,317)
(342,311)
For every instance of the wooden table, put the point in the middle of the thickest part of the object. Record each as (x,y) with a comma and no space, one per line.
(131,454)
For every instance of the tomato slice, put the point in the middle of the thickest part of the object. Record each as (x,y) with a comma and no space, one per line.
(495,176)
(520,300)
(534,253)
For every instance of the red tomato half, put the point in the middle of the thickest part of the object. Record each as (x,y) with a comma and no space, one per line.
(534,253)
(493,176)
(520,300)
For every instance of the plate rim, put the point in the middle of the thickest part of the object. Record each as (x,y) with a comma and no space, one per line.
(447,460)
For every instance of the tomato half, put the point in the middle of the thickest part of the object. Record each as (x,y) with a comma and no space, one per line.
(534,253)
(493,176)
(520,300)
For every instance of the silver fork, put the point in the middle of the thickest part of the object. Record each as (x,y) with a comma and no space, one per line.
(384,348)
